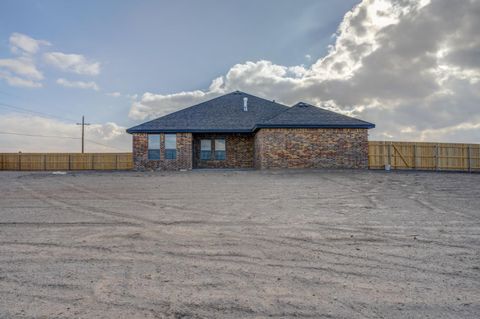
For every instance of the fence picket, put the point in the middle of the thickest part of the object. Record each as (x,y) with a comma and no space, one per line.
(418,155)
(65,161)
(424,156)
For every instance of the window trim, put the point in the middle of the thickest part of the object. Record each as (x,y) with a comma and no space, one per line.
(212,149)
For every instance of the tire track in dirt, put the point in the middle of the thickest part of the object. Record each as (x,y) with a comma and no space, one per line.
(376,262)
(140,202)
(87,209)
(130,220)
(304,256)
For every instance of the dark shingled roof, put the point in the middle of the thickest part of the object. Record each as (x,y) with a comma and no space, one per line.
(225,114)
(306,115)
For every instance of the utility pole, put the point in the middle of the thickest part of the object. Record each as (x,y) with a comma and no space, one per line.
(83,132)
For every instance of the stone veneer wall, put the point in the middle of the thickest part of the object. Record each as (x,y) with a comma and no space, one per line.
(184,153)
(238,147)
(311,148)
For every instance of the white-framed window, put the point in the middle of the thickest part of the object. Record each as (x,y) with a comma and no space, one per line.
(170,146)
(153,146)
(205,149)
(220,149)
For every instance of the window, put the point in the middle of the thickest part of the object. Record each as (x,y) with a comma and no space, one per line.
(220,149)
(170,146)
(205,149)
(153,147)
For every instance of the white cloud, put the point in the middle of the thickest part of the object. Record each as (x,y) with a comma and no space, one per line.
(22,66)
(109,134)
(399,64)
(18,81)
(78,84)
(20,71)
(21,43)
(75,63)
(455,133)
(152,105)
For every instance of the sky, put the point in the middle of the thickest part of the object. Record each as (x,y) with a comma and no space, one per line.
(412,67)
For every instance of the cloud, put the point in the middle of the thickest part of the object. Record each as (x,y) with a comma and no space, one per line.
(412,67)
(75,63)
(112,136)
(20,71)
(456,132)
(78,84)
(22,66)
(152,105)
(21,43)
(18,81)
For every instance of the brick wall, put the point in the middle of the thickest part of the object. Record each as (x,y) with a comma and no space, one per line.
(184,153)
(239,151)
(311,148)
(269,148)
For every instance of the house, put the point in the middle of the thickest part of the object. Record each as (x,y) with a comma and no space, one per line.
(239,130)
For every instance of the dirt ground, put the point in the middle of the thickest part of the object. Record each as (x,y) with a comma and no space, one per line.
(240,244)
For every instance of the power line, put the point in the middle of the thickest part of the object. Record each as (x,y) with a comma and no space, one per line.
(58,136)
(36,135)
(38,112)
(48,136)
(35,112)
(117,148)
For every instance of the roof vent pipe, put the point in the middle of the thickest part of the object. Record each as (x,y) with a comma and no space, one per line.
(245,104)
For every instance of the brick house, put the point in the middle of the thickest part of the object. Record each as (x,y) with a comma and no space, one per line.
(239,130)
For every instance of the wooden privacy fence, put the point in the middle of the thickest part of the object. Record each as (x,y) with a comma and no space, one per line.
(399,155)
(65,161)
(424,156)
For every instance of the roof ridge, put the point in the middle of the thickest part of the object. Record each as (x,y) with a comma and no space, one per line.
(271,121)
(271,118)
(177,111)
(298,104)
(265,99)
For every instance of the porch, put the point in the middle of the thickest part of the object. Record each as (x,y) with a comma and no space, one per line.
(223,150)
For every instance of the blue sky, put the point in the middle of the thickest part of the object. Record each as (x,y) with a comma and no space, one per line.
(393,63)
(158,46)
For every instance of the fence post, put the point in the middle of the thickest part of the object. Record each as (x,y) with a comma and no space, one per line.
(415,156)
(19,161)
(389,152)
(469,158)
(384,156)
(93,161)
(436,157)
(116,161)
(44,162)
(69,162)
